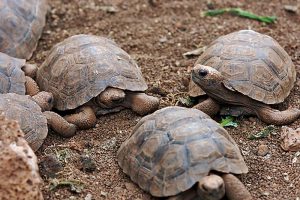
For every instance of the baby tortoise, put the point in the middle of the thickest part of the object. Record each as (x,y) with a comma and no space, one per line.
(21,26)
(248,70)
(33,115)
(16,76)
(182,153)
(95,76)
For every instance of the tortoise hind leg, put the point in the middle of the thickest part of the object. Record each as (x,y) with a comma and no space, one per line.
(276,117)
(84,118)
(141,103)
(59,124)
(235,189)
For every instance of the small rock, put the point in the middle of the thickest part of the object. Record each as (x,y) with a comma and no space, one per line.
(50,166)
(88,197)
(262,150)
(130,186)
(163,39)
(104,194)
(87,164)
(266,193)
(290,8)
(97,125)
(290,139)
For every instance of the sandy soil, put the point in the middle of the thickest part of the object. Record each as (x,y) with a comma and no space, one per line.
(157,35)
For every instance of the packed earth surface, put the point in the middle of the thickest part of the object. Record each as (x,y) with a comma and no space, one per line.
(156,33)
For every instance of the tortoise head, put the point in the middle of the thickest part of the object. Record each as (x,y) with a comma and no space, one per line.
(211,187)
(206,77)
(45,100)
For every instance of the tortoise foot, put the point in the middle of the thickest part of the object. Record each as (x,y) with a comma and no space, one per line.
(30,70)
(84,118)
(141,103)
(59,124)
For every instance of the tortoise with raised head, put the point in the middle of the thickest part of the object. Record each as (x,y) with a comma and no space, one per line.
(94,75)
(16,76)
(21,26)
(33,115)
(182,153)
(248,70)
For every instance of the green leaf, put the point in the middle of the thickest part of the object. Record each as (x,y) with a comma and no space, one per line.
(74,185)
(186,101)
(228,121)
(241,13)
(262,134)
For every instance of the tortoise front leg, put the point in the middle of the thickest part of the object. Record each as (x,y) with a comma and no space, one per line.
(31,86)
(208,106)
(84,118)
(59,124)
(141,103)
(235,189)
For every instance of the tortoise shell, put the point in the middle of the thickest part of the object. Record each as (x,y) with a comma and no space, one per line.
(21,26)
(173,148)
(82,66)
(23,109)
(12,78)
(255,65)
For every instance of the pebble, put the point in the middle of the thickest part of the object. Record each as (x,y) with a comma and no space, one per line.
(87,164)
(262,150)
(88,197)
(50,166)
(130,186)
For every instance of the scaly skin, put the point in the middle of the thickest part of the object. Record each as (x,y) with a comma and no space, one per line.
(31,87)
(84,118)
(213,83)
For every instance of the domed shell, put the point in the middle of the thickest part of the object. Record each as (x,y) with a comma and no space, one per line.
(255,65)
(173,148)
(29,116)
(12,78)
(21,26)
(82,66)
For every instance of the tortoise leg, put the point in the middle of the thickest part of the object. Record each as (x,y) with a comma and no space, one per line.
(141,103)
(110,97)
(30,70)
(235,189)
(186,195)
(31,87)
(59,124)
(84,118)
(211,187)
(208,106)
(276,117)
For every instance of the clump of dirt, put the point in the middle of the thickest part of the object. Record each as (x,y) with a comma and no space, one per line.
(157,33)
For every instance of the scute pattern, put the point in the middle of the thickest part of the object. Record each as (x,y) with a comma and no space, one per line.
(255,64)
(29,115)
(82,66)
(173,148)
(21,26)
(12,78)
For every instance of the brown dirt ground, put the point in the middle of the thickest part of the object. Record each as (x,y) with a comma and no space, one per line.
(157,36)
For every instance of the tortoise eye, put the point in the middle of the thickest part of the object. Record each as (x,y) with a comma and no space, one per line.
(203,72)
